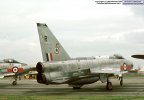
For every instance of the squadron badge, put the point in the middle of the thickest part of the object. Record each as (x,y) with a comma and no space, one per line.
(57,48)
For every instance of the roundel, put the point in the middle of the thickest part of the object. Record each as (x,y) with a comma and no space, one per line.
(124,66)
(57,48)
(15,69)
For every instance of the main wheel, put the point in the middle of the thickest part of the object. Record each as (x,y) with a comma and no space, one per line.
(109,86)
(19,78)
(14,83)
(76,87)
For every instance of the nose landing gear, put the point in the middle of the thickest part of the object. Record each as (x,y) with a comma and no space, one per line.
(14,83)
(15,79)
(121,81)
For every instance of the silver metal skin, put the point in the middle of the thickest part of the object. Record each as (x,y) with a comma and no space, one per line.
(13,68)
(49,44)
(59,68)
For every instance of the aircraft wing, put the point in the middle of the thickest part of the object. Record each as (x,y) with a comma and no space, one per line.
(4,73)
(107,71)
(1,76)
(27,69)
(8,75)
(139,56)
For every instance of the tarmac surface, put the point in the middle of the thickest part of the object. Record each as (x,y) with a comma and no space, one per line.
(133,86)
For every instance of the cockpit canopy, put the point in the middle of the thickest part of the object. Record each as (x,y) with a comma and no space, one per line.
(10,61)
(116,56)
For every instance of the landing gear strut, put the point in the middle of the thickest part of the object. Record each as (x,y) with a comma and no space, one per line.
(15,79)
(76,88)
(121,81)
(19,77)
(14,83)
(108,85)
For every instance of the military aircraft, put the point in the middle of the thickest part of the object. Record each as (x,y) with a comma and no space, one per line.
(139,56)
(11,67)
(59,68)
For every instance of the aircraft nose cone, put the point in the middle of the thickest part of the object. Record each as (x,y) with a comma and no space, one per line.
(130,64)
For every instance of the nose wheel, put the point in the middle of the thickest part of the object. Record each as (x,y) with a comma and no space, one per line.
(19,77)
(15,79)
(14,83)
(121,81)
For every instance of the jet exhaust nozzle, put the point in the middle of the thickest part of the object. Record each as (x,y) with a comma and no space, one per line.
(40,67)
(43,78)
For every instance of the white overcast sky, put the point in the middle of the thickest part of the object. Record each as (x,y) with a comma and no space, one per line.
(83,27)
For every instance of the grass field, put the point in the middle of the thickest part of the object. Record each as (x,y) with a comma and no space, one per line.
(85,97)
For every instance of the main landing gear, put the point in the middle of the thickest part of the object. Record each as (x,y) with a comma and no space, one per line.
(108,85)
(75,87)
(15,79)
(16,75)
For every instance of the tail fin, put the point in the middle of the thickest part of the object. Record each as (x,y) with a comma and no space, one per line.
(52,50)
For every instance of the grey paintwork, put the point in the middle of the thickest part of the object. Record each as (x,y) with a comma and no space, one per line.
(139,56)
(6,64)
(72,71)
(49,44)
(77,71)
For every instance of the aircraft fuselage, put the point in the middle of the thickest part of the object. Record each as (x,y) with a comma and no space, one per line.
(79,71)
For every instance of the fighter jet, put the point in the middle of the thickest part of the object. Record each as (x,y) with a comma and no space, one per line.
(11,67)
(59,68)
(139,56)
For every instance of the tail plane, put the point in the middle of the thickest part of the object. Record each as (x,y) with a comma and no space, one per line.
(52,50)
